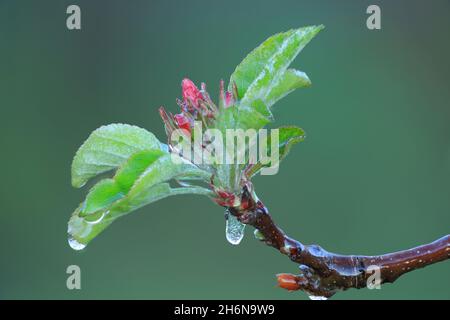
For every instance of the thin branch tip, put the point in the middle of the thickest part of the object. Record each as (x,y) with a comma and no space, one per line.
(323,273)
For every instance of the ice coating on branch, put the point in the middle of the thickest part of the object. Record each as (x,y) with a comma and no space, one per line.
(317,298)
(234,229)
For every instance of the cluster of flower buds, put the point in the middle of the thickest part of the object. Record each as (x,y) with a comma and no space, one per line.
(245,201)
(224,198)
(196,105)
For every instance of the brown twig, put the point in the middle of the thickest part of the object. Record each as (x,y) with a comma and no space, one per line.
(323,273)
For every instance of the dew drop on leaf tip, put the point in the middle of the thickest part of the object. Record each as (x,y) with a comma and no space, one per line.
(75,245)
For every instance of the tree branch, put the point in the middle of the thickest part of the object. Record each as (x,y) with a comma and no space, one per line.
(323,273)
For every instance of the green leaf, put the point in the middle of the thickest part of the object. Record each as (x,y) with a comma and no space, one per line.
(134,167)
(254,63)
(107,148)
(262,79)
(142,180)
(292,79)
(102,195)
(227,175)
(107,191)
(288,136)
(84,229)
(255,117)
(264,68)
(160,169)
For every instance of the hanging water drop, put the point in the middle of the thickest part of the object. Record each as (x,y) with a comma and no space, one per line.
(234,229)
(258,235)
(318,298)
(75,245)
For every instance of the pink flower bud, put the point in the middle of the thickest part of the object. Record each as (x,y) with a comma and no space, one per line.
(182,122)
(191,92)
(228,99)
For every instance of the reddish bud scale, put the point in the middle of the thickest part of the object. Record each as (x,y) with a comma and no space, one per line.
(182,122)
(288,281)
(228,99)
(221,94)
(225,199)
(168,121)
(245,204)
(224,194)
(223,203)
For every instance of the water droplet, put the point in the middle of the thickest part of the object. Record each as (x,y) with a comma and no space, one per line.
(258,235)
(318,298)
(234,229)
(94,219)
(75,245)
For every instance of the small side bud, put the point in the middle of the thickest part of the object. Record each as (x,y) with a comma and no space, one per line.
(229,101)
(288,281)
(258,235)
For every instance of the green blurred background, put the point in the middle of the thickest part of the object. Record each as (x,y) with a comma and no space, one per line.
(372,176)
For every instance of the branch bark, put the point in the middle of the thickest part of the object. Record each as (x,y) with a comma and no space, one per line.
(323,273)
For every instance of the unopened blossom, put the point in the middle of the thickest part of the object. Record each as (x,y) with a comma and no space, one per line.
(229,101)
(182,122)
(191,93)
